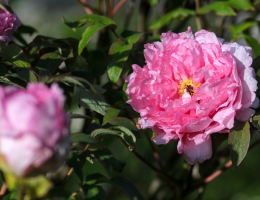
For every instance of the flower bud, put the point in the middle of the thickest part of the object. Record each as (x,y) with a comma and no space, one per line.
(34,130)
(9,22)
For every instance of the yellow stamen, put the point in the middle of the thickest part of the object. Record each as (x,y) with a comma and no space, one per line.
(187,86)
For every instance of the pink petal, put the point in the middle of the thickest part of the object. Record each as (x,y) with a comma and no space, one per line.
(187,34)
(245,114)
(207,37)
(196,148)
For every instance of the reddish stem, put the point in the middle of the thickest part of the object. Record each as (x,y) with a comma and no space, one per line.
(88,10)
(218,172)
(118,6)
(3,190)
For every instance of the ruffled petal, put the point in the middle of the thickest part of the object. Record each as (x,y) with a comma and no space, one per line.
(245,114)
(196,148)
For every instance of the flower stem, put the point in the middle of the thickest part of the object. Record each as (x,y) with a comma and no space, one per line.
(218,172)
(157,158)
(197,3)
(117,7)
(120,38)
(20,194)
(3,188)
(71,169)
(84,3)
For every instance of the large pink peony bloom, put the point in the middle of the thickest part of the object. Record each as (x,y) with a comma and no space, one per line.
(191,87)
(34,130)
(9,22)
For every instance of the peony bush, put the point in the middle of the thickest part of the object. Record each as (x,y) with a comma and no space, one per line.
(108,112)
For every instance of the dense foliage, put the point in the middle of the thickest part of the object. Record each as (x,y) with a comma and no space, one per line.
(110,157)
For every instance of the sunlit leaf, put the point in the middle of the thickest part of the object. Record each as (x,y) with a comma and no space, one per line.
(122,121)
(15,55)
(153,2)
(119,52)
(179,13)
(93,101)
(236,30)
(125,95)
(119,131)
(241,4)
(94,192)
(8,82)
(111,113)
(98,22)
(50,61)
(254,44)
(256,121)
(221,8)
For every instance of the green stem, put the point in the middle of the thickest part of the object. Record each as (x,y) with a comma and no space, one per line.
(120,38)
(20,195)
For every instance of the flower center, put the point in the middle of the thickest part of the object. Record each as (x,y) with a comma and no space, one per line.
(187,86)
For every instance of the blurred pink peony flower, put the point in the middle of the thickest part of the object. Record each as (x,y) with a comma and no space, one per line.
(34,130)
(191,87)
(9,22)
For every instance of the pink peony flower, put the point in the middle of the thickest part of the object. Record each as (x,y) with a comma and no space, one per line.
(34,130)
(191,87)
(9,22)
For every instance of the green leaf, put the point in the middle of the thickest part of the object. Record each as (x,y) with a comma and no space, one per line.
(236,30)
(81,137)
(122,121)
(106,158)
(8,82)
(217,139)
(221,8)
(238,141)
(128,137)
(125,95)
(119,131)
(72,80)
(127,188)
(76,116)
(27,75)
(256,63)
(44,75)
(241,4)
(26,29)
(15,55)
(153,2)
(119,52)
(111,113)
(254,44)
(179,13)
(131,36)
(39,185)
(50,61)
(256,121)
(93,101)
(98,22)
(94,192)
